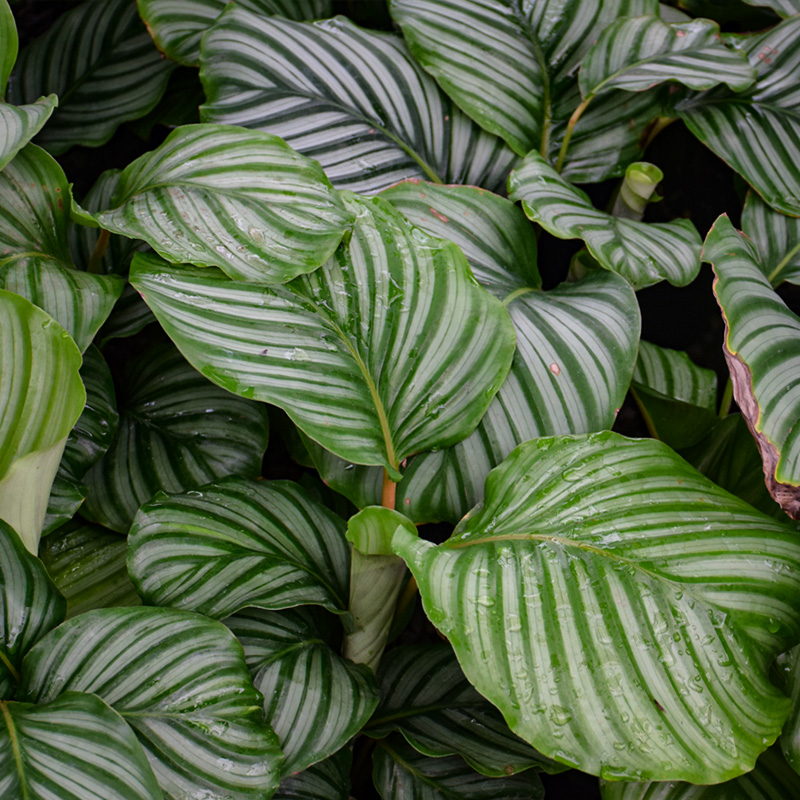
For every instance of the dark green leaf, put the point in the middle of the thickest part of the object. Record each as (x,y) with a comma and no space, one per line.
(327,780)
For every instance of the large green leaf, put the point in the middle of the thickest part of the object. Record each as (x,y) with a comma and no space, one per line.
(19,124)
(30,605)
(762,347)
(180,681)
(757,131)
(177,27)
(73,748)
(789,669)
(619,608)
(41,397)
(352,99)
(777,239)
(644,253)
(425,696)
(327,780)
(786,8)
(218,195)
(176,432)
(9,44)
(401,773)
(391,348)
(34,250)
(239,543)
(314,699)
(101,62)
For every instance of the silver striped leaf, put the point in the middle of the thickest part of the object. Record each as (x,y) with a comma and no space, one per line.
(401,773)
(30,605)
(102,64)
(354,100)
(391,348)
(756,132)
(19,124)
(762,348)
(73,748)
(777,239)
(314,699)
(218,195)
(177,25)
(35,261)
(180,681)
(326,780)
(620,609)
(239,543)
(129,316)
(786,8)
(176,432)
(10,44)
(87,564)
(639,53)
(643,253)
(426,697)
(772,779)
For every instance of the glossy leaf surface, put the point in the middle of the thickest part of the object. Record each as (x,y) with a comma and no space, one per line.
(326,780)
(19,124)
(647,602)
(352,99)
(777,240)
(217,195)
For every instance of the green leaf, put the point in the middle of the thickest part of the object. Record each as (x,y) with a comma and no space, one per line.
(9,44)
(180,681)
(352,99)
(644,253)
(762,344)
(425,696)
(786,8)
(327,780)
(788,665)
(639,53)
(73,748)
(314,699)
(176,432)
(647,602)
(776,238)
(401,773)
(757,132)
(87,564)
(100,61)
(177,27)
(239,543)
(35,261)
(129,316)
(217,195)
(391,348)
(42,398)
(19,124)
(30,605)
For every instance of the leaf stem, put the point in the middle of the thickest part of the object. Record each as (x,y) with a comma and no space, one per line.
(727,399)
(95,262)
(782,264)
(389,491)
(9,666)
(12,734)
(573,121)
(658,125)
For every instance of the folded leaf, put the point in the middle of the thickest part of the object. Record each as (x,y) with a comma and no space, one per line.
(19,124)
(777,240)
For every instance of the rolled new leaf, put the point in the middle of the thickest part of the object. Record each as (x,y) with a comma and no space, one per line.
(620,609)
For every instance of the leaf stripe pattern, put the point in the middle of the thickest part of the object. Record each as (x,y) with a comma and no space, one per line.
(777,239)
(101,62)
(19,124)
(786,8)
(352,99)
(327,780)
(674,375)
(644,253)
(621,610)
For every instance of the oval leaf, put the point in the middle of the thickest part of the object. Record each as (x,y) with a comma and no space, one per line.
(19,124)
(777,239)
(647,602)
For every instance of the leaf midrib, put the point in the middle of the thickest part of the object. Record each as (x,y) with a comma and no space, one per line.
(416,711)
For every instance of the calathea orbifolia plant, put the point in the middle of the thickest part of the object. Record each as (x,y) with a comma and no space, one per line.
(333,243)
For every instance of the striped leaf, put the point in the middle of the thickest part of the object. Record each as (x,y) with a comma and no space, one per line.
(639,53)
(87,564)
(576,348)
(352,99)
(35,261)
(101,62)
(180,681)
(42,399)
(772,779)
(401,773)
(757,131)
(314,699)
(177,25)
(647,602)
(30,605)
(644,253)
(19,124)
(327,780)
(73,748)
(176,432)
(425,696)
(239,543)
(129,316)
(390,349)
(9,44)
(217,195)
(788,665)
(777,240)
(762,345)
(786,8)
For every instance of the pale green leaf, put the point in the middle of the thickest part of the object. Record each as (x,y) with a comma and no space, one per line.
(326,780)
(19,124)
(777,240)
